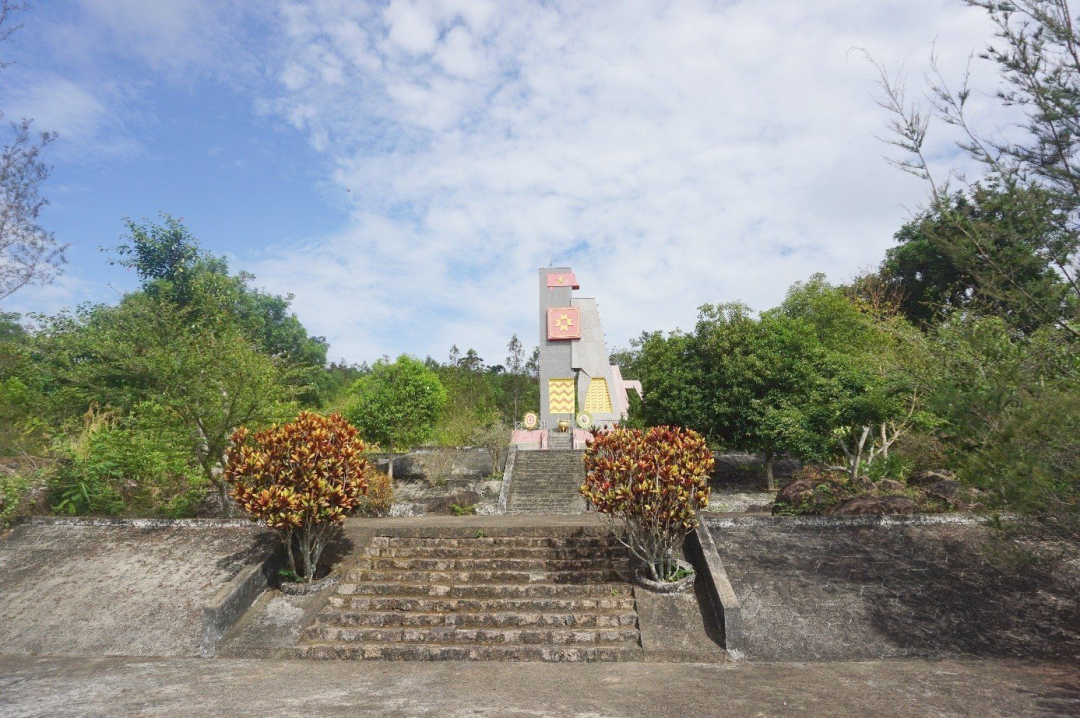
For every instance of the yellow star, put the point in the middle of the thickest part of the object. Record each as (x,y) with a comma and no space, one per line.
(563,323)
(560,279)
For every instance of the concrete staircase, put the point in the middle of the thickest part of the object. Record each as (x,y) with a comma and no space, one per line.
(546,482)
(517,598)
(560,440)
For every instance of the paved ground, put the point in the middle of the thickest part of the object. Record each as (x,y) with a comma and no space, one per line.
(214,687)
(826,591)
(135,589)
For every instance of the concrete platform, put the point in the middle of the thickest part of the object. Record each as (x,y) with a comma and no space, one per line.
(872,588)
(134,588)
(200,687)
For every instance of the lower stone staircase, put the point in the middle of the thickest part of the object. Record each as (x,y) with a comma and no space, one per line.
(521,598)
(547,482)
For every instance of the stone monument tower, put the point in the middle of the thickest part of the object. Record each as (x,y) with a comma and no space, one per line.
(577,381)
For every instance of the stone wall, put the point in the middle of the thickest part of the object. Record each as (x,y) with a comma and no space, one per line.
(434,480)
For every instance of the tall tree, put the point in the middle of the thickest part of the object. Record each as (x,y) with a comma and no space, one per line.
(168,260)
(515,368)
(1037,53)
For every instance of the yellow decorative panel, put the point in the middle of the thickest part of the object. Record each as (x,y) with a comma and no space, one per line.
(597,399)
(561,396)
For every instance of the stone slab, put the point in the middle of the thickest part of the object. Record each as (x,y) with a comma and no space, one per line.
(134,588)
(272,625)
(673,629)
(850,588)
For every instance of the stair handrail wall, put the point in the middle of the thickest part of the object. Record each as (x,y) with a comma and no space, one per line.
(508,473)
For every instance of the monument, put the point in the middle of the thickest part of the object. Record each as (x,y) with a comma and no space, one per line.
(579,387)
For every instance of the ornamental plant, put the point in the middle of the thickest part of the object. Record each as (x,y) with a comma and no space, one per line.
(650,484)
(302,479)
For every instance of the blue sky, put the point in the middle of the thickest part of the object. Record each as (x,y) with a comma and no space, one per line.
(403,168)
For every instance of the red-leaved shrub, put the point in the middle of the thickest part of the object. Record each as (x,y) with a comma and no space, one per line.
(302,479)
(651,483)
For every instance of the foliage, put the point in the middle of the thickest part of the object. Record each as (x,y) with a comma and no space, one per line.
(1010,406)
(200,374)
(379,497)
(130,464)
(494,438)
(744,383)
(650,483)
(894,466)
(463,509)
(1033,174)
(29,254)
(818,378)
(169,262)
(935,267)
(472,400)
(12,488)
(301,479)
(397,404)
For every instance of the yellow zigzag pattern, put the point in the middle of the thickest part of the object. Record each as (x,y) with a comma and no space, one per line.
(597,399)
(561,396)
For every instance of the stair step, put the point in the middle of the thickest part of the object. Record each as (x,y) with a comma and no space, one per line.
(411,563)
(446,578)
(618,602)
(470,542)
(453,634)
(478,619)
(497,552)
(521,590)
(467,652)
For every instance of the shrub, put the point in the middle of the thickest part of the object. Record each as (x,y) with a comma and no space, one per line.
(379,497)
(302,479)
(12,488)
(894,467)
(650,483)
(133,464)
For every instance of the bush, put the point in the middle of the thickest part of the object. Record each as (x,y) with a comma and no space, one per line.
(650,483)
(12,488)
(894,467)
(379,497)
(136,464)
(302,479)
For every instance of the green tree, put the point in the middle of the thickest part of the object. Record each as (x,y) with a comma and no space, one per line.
(933,267)
(397,404)
(168,261)
(869,399)
(205,374)
(746,384)
(515,369)
(1010,408)
(1037,54)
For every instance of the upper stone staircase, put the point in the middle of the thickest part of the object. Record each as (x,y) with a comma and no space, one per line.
(547,482)
(525,598)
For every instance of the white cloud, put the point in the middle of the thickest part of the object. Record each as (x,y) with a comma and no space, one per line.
(87,116)
(672,154)
(177,36)
(65,292)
